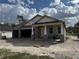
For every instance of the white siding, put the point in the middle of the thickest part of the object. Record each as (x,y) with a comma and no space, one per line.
(8,34)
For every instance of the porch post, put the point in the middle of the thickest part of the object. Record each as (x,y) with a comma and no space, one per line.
(62,33)
(32,31)
(45,32)
(19,34)
(32,34)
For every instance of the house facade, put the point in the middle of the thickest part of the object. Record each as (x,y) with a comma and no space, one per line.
(41,28)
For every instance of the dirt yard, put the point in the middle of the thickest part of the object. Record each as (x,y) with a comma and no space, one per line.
(69,48)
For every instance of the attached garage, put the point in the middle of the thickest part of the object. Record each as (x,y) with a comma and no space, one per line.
(26,33)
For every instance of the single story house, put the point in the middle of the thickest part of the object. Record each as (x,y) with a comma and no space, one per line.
(5,30)
(41,28)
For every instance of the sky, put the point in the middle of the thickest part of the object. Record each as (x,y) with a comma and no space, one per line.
(66,10)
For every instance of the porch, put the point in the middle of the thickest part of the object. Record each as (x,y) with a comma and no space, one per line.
(51,31)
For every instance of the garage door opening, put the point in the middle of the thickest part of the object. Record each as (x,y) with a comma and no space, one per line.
(26,33)
(15,34)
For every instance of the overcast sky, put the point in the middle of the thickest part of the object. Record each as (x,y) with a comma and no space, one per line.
(66,10)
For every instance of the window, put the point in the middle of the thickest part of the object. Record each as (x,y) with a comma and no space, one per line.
(59,30)
(50,30)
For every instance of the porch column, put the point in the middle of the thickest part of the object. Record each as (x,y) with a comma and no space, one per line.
(32,31)
(19,34)
(45,32)
(32,34)
(62,33)
(62,29)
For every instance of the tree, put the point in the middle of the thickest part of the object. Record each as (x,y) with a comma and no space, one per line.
(73,30)
(77,27)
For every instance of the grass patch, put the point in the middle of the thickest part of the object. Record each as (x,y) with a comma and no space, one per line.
(73,34)
(7,54)
(4,52)
(26,56)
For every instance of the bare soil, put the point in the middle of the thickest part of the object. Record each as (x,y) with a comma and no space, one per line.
(69,48)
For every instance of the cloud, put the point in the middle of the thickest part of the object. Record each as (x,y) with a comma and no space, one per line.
(55,2)
(13,1)
(30,1)
(70,21)
(48,11)
(74,1)
(22,2)
(19,2)
(71,10)
(9,13)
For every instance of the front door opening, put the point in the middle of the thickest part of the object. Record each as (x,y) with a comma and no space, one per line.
(26,33)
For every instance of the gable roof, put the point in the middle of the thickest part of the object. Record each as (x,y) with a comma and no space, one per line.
(34,20)
(42,19)
(46,19)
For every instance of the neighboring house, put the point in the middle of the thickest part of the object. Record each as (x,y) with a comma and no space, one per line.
(20,19)
(5,30)
(41,28)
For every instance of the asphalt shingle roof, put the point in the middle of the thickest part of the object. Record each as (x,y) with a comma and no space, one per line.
(5,27)
(34,20)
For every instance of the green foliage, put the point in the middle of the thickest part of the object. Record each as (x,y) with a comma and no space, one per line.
(72,31)
(17,56)
(7,54)
(4,52)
